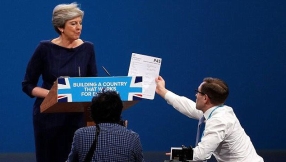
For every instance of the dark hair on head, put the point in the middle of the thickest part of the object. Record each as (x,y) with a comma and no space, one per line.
(216,89)
(106,107)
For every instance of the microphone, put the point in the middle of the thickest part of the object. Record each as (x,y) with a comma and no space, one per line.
(106,71)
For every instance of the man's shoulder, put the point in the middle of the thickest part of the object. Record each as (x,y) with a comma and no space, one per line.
(124,130)
(222,110)
(131,133)
(224,115)
(85,130)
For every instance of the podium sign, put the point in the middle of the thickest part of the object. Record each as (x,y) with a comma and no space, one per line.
(83,89)
(74,94)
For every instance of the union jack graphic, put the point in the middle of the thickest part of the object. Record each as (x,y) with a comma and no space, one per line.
(63,83)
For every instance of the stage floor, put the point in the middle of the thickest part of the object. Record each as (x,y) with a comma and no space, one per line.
(268,156)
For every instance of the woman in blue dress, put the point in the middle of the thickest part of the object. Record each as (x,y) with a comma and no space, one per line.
(66,55)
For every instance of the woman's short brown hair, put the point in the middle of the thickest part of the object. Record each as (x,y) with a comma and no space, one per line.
(64,12)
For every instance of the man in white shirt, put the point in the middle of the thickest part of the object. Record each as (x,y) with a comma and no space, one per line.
(223,135)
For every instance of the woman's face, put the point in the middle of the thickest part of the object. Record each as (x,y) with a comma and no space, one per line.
(72,29)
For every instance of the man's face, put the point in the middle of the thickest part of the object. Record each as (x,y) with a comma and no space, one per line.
(200,98)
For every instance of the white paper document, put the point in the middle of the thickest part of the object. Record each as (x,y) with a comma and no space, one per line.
(148,67)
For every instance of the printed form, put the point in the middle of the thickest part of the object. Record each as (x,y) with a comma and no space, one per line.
(149,68)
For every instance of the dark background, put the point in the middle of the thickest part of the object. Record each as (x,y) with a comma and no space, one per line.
(241,42)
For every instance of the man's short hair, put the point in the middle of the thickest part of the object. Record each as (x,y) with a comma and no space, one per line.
(106,107)
(216,89)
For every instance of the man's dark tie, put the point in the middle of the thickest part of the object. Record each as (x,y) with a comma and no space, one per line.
(201,121)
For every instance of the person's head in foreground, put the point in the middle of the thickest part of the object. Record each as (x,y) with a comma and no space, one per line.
(106,107)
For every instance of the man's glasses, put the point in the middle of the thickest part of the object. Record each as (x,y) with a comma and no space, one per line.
(202,93)
(197,91)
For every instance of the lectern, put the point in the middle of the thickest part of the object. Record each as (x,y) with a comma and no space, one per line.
(74,94)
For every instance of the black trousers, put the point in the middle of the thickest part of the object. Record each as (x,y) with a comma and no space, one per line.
(54,135)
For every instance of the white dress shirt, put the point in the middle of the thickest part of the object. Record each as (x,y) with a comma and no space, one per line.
(223,136)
